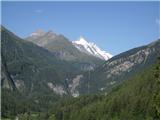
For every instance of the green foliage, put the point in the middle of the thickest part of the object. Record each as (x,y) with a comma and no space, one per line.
(34,67)
(14,103)
(136,99)
(157,94)
(32,64)
(114,69)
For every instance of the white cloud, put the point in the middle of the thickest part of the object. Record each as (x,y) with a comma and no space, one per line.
(38,11)
(158,21)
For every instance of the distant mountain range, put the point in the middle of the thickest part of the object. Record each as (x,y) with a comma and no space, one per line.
(56,56)
(54,43)
(49,65)
(31,68)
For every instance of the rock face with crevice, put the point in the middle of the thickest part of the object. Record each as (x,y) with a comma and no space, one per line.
(120,67)
(6,79)
(58,89)
(34,69)
(29,67)
(74,84)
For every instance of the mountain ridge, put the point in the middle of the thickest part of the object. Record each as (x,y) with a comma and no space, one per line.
(91,48)
(121,66)
(43,78)
(45,39)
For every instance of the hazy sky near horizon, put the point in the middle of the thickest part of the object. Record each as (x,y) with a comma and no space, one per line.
(113,26)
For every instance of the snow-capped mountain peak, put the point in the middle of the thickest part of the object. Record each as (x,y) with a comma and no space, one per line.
(90,48)
(81,40)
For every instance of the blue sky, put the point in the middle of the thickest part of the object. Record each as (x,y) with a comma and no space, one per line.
(113,26)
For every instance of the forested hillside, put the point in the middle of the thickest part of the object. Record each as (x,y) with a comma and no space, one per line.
(38,85)
(136,99)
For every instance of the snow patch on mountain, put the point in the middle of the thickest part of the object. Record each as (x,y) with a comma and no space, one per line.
(90,48)
(37,33)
